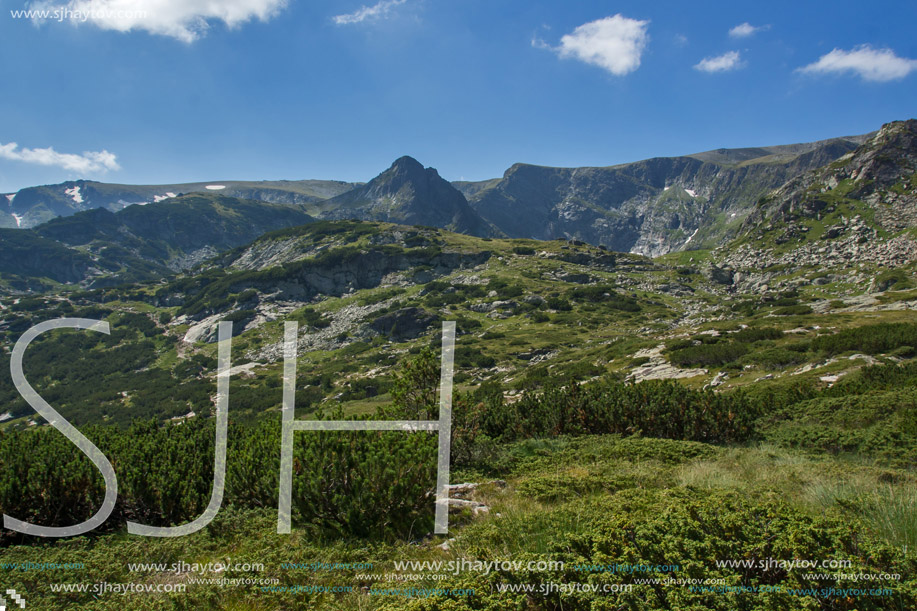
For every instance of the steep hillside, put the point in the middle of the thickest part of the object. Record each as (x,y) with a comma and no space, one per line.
(26,258)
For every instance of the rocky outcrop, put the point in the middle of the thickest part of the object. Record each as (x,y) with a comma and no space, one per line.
(720,275)
(657,367)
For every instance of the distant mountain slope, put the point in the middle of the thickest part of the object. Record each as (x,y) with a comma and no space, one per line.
(100,247)
(410,194)
(35,205)
(765,154)
(651,207)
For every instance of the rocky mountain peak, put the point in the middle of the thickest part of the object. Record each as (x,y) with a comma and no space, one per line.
(407,172)
(407,165)
(409,193)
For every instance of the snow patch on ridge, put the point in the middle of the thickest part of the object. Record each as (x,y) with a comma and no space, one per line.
(18,219)
(11,197)
(691,192)
(159,198)
(215,187)
(74,193)
(691,236)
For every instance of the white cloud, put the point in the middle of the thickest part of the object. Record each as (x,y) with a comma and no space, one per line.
(186,20)
(878,65)
(613,43)
(380,10)
(721,63)
(744,30)
(87,163)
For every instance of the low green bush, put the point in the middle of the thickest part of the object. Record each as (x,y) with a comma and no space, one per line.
(655,408)
(868,339)
(708,355)
(793,310)
(756,334)
(693,530)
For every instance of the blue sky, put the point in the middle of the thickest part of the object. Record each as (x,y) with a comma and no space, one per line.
(266,89)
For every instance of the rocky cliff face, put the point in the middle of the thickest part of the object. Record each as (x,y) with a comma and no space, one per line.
(409,194)
(650,207)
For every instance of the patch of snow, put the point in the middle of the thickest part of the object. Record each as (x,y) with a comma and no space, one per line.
(667,188)
(5,417)
(691,192)
(159,198)
(215,187)
(11,197)
(692,236)
(18,219)
(74,193)
(732,215)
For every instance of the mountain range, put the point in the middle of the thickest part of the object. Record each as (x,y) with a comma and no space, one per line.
(33,206)
(103,233)
(650,207)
